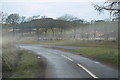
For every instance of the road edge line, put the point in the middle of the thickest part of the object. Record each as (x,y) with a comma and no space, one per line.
(89,72)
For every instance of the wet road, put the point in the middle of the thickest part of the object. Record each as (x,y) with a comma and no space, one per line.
(61,64)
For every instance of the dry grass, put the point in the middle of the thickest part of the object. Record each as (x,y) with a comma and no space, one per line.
(19,63)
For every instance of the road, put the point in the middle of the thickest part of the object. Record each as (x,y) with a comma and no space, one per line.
(61,64)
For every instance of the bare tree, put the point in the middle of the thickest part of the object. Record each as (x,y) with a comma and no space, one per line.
(110,5)
(3,17)
(13,19)
(114,7)
(73,20)
(23,19)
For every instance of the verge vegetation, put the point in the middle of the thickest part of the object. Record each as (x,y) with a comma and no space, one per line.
(18,63)
(106,52)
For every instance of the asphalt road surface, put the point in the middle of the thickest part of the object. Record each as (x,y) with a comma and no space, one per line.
(61,64)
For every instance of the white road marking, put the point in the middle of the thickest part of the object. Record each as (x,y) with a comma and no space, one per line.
(38,57)
(89,72)
(39,53)
(97,62)
(67,57)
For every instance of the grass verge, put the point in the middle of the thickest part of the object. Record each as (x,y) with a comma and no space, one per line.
(19,63)
(107,55)
(28,65)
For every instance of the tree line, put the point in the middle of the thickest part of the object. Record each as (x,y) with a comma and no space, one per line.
(39,25)
(42,26)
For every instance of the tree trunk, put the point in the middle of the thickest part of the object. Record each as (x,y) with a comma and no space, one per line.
(94,34)
(53,31)
(37,33)
(74,33)
(45,32)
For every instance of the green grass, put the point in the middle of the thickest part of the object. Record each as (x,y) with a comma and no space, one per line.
(23,64)
(27,66)
(11,55)
(36,42)
(108,55)
(107,44)
(102,54)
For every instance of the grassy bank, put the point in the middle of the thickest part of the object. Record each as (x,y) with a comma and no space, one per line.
(19,63)
(28,66)
(107,55)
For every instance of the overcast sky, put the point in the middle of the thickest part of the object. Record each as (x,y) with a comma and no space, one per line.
(54,8)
